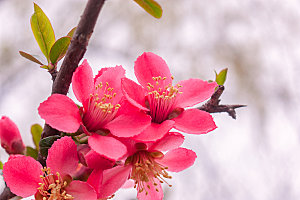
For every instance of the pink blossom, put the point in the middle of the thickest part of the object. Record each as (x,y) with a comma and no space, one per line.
(147,166)
(104,110)
(165,102)
(10,137)
(25,176)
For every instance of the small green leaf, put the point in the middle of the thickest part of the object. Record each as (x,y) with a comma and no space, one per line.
(221,77)
(1,165)
(71,33)
(44,67)
(151,6)
(59,49)
(36,132)
(31,152)
(42,30)
(30,57)
(46,143)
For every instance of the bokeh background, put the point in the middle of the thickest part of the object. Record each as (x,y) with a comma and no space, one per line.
(256,156)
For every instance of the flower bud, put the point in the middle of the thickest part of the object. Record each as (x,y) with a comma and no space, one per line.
(10,137)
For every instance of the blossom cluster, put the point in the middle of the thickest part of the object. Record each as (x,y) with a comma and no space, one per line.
(130,131)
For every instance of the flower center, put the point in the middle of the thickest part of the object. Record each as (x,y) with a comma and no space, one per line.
(146,172)
(53,186)
(161,98)
(101,108)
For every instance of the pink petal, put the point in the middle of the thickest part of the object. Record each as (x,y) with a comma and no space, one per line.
(108,147)
(96,161)
(170,141)
(150,65)
(22,175)
(194,121)
(153,194)
(82,82)
(61,113)
(10,136)
(62,156)
(155,131)
(178,159)
(100,72)
(81,191)
(134,93)
(113,76)
(129,125)
(113,179)
(128,184)
(95,180)
(194,91)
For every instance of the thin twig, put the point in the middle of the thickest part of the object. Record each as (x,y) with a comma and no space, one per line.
(212,106)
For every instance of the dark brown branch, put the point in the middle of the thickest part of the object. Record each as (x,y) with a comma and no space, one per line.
(75,53)
(212,106)
(6,194)
(73,56)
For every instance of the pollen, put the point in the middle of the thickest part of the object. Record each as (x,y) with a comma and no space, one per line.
(52,186)
(146,172)
(161,98)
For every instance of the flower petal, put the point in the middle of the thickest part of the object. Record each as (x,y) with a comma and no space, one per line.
(62,156)
(95,180)
(112,76)
(61,113)
(83,83)
(194,91)
(194,121)
(108,147)
(134,93)
(154,131)
(178,159)
(153,192)
(170,141)
(129,125)
(10,137)
(113,179)
(22,175)
(150,65)
(96,161)
(81,191)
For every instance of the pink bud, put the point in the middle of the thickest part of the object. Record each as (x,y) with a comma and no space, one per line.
(10,137)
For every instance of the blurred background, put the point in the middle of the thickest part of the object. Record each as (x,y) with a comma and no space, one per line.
(256,156)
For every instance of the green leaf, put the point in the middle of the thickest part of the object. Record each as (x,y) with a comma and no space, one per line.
(151,6)
(221,77)
(71,33)
(42,30)
(46,143)
(36,132)
(59,49)
(30,57)
(31,152)
(1,165)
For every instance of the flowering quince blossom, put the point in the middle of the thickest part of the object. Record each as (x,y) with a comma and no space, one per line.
(10,137)
(165,103)
(25,176)
(105,114)
(146,165)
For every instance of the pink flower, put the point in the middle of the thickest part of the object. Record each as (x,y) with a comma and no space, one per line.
(10,137)
(147,166)
(164,102)
(104,110)
(25,176)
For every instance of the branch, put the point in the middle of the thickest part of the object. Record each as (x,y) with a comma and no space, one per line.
(75,53)
(212,106)
(6,194)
